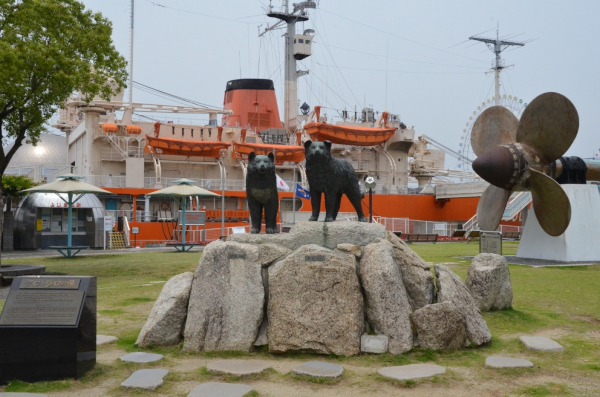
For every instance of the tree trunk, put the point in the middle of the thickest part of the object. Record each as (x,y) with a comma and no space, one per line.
(1,218)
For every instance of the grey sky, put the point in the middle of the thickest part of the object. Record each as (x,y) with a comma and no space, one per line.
(191,48)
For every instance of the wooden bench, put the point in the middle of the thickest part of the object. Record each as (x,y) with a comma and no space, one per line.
(66,250)
(458,234)
(512,235)
(183,247)
(421,238)
(473,236)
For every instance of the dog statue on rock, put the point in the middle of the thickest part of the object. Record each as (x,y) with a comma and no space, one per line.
(261,191)
(333,177)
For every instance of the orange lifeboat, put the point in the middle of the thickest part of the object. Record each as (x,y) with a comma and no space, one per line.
(349,135)
(185,147)
(282,152)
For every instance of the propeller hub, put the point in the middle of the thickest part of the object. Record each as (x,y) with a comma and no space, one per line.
(501,166)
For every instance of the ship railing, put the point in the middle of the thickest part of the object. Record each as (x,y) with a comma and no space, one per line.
(468,189)
(106,180)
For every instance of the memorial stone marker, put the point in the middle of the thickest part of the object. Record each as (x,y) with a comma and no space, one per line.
(48,328)
(490,243)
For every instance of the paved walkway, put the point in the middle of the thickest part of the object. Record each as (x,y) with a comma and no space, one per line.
(53,253)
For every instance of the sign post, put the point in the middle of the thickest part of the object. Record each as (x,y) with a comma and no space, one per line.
(370,184)
(108,224)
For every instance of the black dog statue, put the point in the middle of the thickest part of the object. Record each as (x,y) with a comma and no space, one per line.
(333,177)
(261,191)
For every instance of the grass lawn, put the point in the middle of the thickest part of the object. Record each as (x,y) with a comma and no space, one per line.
(560,303)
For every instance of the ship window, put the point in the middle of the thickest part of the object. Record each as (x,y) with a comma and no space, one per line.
(192,132)
(173,130)
(209,131)
(294,41)
(201,132)
(300,40)
(182,131)
(307,41)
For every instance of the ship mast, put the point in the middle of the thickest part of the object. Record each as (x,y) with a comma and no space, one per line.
(290,110)
(131,58)
(497,46)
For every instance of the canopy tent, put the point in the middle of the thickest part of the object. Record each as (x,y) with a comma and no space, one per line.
(183,188)
(71,185)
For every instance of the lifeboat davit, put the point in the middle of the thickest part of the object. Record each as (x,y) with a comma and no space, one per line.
(349,135)
(283,153)
(185,147)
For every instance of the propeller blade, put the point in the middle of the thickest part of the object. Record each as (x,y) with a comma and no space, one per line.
(495,126)
(550,203)
(491,207)
(549,125)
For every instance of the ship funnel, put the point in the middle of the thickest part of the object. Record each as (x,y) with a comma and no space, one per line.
(253,104)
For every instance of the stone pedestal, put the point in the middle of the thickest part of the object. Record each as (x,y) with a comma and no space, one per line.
(579,242)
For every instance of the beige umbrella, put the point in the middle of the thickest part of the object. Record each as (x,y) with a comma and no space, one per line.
(183,188)
(69,184)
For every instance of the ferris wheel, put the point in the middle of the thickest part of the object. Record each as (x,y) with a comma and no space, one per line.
(512,103)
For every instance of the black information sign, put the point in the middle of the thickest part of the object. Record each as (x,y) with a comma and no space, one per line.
(34,307)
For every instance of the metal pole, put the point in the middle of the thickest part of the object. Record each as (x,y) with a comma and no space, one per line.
(183,205)
(70,206)
(294,196)
(131,57)
(370,205)
(223,198)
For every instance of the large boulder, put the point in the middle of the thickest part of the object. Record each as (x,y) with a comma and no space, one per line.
(416,273)
(452,289)
(226,302)
(325,234)
(488,280)
(270,253)
(440,326)
(388,309)
(315,303)
(165,323)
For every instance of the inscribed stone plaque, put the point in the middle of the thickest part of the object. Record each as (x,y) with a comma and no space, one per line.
(236,256)
(42,307)
(314,258)
(490,243)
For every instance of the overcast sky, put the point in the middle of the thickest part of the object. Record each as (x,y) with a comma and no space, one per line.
(191,48)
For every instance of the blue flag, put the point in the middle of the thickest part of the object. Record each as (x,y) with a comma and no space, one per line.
(301,192)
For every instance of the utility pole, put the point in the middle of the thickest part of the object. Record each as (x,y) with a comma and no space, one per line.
(497,46)
(290,109)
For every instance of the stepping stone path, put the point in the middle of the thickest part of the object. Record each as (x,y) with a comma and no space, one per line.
(507,362)
(319,369)
(103,339)
(412,371)
(541,343)
(373,343)
(238,367)
(214,389)
(147,379)
(139,357)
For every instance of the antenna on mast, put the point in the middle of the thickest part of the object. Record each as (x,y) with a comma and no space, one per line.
(497,46)
(131,57)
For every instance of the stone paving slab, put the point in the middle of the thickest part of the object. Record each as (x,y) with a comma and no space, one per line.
(214,389)
(238,367)
(412,371)
(541,343)
(147,379)
(373,343)
(13,394)
(319,369)
(507,362)
(104,339)
(140,357)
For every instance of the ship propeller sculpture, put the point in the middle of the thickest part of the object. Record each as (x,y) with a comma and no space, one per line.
(517,155)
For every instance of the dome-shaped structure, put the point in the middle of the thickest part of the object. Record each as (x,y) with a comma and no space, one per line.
(41,221)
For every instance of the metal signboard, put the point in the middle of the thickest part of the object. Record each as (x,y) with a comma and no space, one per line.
(193,218)
(135,230)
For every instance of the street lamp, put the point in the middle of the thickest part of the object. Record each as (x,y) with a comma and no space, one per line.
(223,153)
(370,184)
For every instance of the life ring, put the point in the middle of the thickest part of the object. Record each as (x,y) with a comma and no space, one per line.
(164,206)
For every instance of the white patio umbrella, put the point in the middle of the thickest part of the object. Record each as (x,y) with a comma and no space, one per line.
(71,185)
(183,188)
